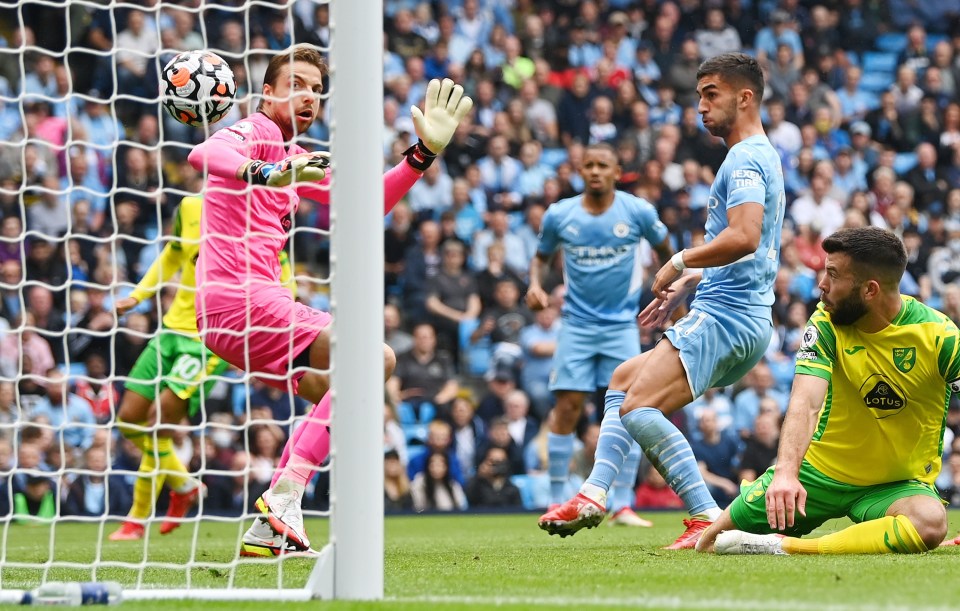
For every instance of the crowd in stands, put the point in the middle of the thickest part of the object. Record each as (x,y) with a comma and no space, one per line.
(862,102)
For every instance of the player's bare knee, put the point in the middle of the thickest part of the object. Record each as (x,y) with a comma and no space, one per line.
(389,361)
(320,350)
(931,526)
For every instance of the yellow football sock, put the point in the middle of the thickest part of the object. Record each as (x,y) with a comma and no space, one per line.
(149,482)
(176,474)
(881,536)
(137,436)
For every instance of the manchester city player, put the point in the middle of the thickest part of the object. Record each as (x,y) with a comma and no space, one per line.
(729,324)
(599,234)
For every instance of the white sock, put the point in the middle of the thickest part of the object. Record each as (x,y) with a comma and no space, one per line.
(594,493)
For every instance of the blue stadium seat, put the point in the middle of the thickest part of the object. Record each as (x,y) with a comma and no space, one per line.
(879,61)
(892,42)
(525,485)
(904,162)
(476,359)
(553,157)
(414,451)
(933,39)
(876,82)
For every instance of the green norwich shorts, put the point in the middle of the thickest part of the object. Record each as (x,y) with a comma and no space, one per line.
(180,363)
(827,499)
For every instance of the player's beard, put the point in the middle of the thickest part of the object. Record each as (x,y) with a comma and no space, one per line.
(848,311)
(721,128)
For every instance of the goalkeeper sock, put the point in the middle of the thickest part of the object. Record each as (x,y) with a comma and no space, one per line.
(559,452)
(669,451)
(320,415)
(149,481)
(176,475)
(891,534)
(613,445)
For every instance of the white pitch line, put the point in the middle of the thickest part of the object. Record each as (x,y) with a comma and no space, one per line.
(653,602)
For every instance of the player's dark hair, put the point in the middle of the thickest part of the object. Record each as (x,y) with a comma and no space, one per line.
(602,146)
(737,68)
(297,53)
(876,253)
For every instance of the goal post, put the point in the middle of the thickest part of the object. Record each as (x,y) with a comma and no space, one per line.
(351,562)
(356,538)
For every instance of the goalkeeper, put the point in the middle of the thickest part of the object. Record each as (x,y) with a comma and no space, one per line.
(176,364)
(256,174)
(874,375)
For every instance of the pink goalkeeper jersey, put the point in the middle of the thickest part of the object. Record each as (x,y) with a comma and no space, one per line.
(243,228)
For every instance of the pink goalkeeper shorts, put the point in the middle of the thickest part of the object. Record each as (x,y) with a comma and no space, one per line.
(265,336)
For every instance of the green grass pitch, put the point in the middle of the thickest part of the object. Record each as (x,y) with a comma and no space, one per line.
(505,561)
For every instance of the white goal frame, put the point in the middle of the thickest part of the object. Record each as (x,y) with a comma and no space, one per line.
(351,564)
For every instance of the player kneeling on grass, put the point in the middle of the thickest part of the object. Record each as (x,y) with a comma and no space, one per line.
(256,174)
(866,418)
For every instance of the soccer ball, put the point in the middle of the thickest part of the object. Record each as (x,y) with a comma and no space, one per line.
(197,88)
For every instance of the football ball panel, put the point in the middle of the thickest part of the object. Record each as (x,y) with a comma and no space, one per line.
(197,88)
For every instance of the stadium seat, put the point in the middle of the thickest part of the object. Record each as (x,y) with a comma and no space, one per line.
(476,357)
(553,157)
(892,42)
(933,39)
(525,485)
(876,82)
(904,162)
(415,450)
(879,61)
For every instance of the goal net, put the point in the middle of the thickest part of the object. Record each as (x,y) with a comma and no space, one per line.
(91,172)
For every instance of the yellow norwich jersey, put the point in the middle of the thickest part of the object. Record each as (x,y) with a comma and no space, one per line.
(180,254)
(884,415)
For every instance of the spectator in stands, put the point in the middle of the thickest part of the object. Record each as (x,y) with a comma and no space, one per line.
(495,272)
(928,180)
(491,487)
(498,436)
(521,426)
(35,501)
(96,493)
(423,375)
(435,488)
(394,336)
(469,432)
(717,37)
(654,493)
(539,341)
(48,319)
(69,415)
(573,111)
(780,31)
(817,207)
(760,385)
(97,390)
(431,195)
(505,317)
(498,232)
(452,297)
(421,266)
(500,174)
(396,484)
(716,453)
(760,449)
(906,93)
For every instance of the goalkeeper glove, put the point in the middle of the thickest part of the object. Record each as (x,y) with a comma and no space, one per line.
(444,108)
(303,167)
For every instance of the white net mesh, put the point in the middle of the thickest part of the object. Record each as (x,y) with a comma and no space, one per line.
(92,170)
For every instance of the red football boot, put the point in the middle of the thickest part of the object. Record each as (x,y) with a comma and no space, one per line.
(180,504)
(579,512)
(689,538)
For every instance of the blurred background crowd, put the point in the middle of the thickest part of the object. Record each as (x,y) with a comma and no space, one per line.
(862,102)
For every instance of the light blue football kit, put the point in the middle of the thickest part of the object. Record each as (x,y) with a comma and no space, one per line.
(603,273)
(729,324)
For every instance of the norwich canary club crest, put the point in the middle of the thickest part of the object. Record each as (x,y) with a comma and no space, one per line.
(905,358)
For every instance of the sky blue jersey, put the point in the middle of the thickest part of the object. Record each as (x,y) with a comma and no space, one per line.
(751,172)
(602,270)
